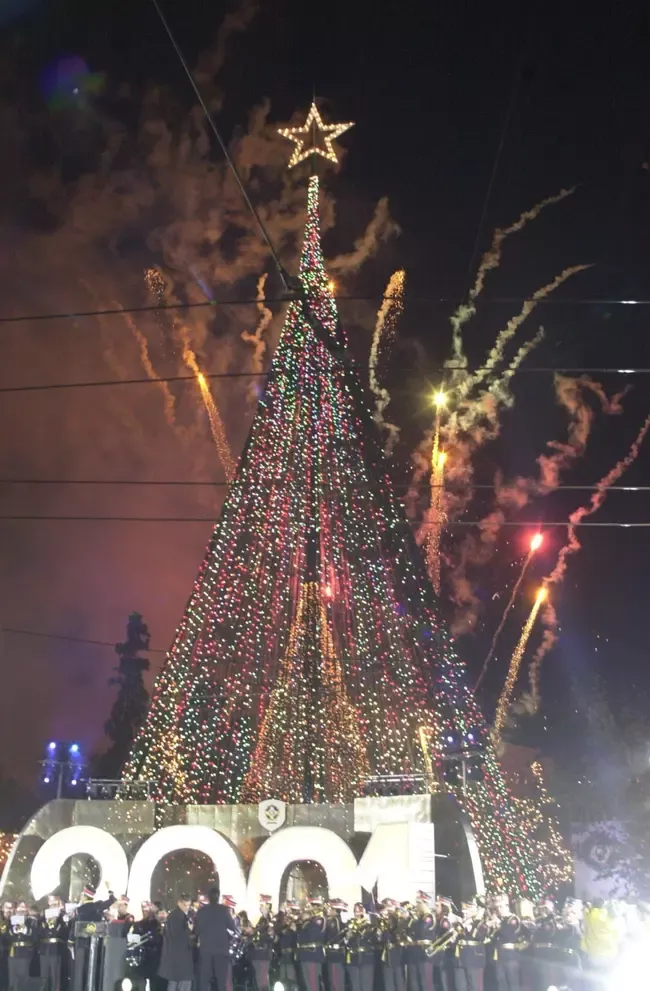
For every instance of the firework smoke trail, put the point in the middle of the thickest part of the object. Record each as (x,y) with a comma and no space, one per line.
(572,546)
(499,387)
(513,671)
(434,520)
(148,367)
(496,354)
(514,495)
(490,261)
(257,338)
(535,544)
(216,423)
(389,312)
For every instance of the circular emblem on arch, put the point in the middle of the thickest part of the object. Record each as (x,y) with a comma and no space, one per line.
(96,843)
(225,857)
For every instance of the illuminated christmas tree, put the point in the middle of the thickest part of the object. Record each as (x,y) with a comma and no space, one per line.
(311,655)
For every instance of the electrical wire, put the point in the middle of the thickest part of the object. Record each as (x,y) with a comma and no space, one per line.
(210,519)
(222,144)
(514,93)
(424,485)
(146,380)
(292,297)
(60,636)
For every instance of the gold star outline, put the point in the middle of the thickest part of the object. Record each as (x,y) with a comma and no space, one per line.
(322,136)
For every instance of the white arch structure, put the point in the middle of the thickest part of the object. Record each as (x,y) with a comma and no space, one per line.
(225,857)
(295,843)
(45,874)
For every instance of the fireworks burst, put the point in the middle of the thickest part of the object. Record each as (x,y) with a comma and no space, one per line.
(572,546)
(489,262)
(513,670)
(496,355)
(141,340)
(535,545)
(434,516)
(257,338)
(155,283)
(384,336)
(216,423)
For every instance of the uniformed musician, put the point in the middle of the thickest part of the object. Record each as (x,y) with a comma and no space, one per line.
(260,947)
(285,944)
(361,944)
(509,941)
(445,933)
(52,934)
(470,950)
(21,938)
(393,927)
(334,945)
(310,944)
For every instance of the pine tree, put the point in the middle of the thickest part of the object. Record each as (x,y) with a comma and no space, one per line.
(312,629)
(130,706)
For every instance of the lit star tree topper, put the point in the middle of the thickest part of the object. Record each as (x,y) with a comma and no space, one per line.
(314,137)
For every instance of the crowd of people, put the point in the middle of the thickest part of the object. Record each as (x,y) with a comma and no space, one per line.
(425,946)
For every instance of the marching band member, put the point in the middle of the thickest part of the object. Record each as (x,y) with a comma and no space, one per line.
(545,950)
(21,936)
(5,916)
(285,929)
(310,943)
(510,939)
(52,933)
(392,931)
(470,952)
(334,946)
(445,932)
(360,955)
(260,949)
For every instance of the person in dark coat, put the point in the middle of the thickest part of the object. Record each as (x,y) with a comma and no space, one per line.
(215,928)
(53,931)
(88,911)
(176,961)
(310,944)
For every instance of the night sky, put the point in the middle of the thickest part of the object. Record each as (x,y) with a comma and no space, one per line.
(105,172)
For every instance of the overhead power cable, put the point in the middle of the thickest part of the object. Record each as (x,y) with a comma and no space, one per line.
(293,297)
(191,483)
(60,636)
(146,380)
(222,144)
(32,517)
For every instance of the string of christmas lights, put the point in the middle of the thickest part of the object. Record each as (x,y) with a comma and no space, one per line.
(311,654)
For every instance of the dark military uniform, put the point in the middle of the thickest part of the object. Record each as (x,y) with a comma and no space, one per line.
(443,958)
(286,949)
(260,951)
(4,950)
(52,941)
(361,943)
(547,955)
(422,934)
(334,954)
(310,952)
(510,940)
(22,941)
(150,932)
(88,912)
(393,939)
(470,957)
